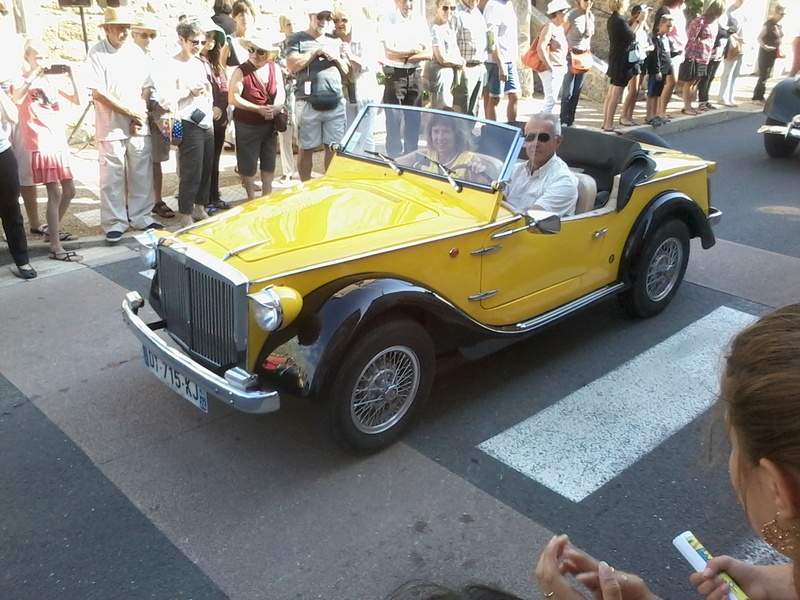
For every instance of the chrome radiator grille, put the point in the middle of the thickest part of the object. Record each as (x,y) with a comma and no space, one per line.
(199,307)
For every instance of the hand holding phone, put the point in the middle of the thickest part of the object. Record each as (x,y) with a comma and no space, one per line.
(697,556)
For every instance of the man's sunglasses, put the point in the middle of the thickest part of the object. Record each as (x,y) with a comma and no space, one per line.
(258,51)
(152,36)
(538,137)
(195,42)
(446,8)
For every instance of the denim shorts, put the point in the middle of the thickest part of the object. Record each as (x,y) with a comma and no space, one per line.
(497,88)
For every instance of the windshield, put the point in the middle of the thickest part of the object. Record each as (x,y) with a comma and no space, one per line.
(444,145)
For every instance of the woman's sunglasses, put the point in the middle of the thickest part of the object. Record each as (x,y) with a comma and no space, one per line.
(538,137)
(195,42)
(258,51)
(152,36)
(446,8)
(341,21)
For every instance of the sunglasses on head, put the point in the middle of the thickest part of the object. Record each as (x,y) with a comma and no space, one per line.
(152,36)
(538,137)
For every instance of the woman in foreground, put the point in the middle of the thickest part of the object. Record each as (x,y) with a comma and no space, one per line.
(760,394)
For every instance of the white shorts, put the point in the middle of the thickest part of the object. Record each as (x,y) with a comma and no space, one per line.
(315,127)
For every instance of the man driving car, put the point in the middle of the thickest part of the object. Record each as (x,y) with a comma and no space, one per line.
(544,181)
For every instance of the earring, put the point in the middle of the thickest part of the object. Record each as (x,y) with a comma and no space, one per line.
(778,537)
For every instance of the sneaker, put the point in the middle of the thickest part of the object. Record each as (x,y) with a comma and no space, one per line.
(112,237)
(199,213)
(154,225)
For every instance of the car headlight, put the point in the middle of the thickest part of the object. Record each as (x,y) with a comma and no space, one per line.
(267,309)
(148,242)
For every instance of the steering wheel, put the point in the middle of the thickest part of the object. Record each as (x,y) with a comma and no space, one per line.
(466,167)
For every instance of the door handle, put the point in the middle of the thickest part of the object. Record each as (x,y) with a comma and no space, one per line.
(600,233)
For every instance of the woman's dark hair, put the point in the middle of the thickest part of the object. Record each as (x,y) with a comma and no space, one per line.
(222,7)
(214,58)
(425,590)
(242,6)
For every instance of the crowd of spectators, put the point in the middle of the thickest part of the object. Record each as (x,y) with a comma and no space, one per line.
(299,82)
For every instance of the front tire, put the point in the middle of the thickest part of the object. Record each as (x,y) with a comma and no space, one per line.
(778,146)
(659,271)
(381,386)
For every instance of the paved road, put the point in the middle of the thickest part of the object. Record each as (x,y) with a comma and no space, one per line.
(113,487)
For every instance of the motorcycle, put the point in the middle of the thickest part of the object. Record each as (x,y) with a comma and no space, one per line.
(782,129)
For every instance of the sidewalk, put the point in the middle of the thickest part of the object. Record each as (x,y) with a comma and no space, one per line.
(83,218)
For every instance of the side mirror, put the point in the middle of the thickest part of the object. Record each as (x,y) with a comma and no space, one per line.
(542,221)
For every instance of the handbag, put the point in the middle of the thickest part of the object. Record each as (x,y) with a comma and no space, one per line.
(532,59)
(280,121)
(688,70)
(733,48)
(580,63)
(635,53)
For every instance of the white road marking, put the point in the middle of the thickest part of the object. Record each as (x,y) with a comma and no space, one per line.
(582,442)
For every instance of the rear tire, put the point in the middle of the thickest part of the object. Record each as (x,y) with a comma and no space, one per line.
(778,146)
(659,271)
(381,385)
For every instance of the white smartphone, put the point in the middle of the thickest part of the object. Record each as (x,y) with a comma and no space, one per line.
(697,556)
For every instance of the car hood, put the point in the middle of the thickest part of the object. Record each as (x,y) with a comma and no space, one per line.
(334,218)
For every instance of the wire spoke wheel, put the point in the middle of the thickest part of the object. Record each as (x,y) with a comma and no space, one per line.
(664,269)
(385,390)
(383,381)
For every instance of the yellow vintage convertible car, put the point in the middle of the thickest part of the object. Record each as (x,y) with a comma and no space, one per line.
(346,288)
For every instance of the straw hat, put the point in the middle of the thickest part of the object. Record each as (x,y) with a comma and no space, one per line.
(555,6)
(116,16)
(147,22)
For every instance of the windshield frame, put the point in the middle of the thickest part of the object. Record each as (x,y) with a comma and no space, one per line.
(508,160)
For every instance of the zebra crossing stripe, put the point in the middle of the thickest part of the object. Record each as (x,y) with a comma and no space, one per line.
(583,441)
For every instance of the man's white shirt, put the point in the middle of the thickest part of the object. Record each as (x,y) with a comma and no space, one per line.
(553,187)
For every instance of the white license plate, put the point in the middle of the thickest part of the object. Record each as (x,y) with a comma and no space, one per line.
(176,380)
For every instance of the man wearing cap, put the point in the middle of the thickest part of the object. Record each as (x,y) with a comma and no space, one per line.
(119,77)
(314,55)
(473,42)
(406,43)
(143,32)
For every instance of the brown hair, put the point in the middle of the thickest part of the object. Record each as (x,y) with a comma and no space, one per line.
(761,389)
(714,10)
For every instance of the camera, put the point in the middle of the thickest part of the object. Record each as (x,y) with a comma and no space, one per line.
(56,69)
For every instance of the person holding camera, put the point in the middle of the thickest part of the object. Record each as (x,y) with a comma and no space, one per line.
(195,110)
(41,149)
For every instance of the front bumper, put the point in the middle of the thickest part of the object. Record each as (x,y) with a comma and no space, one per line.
(714,216)
(236,388)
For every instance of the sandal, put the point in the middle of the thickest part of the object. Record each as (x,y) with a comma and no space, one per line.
(63,236)
(628,122)
(616,130)
(40,230)
(689,111)
(162,210)
(65,256)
